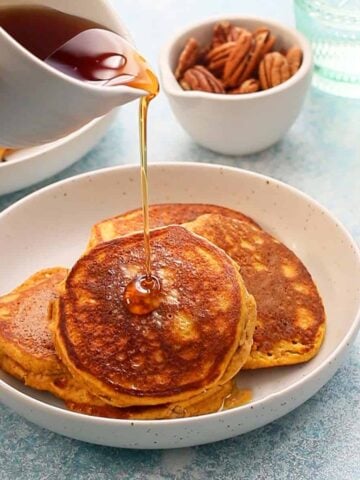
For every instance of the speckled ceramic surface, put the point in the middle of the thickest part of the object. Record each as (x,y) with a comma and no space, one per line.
(321,156)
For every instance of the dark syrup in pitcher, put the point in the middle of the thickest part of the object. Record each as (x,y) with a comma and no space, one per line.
(89,52)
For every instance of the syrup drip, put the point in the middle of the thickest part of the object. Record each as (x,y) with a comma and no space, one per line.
(143,294)
(3,152)
(144,104)
(236,398)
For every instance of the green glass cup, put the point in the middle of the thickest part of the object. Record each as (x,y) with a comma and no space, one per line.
(333,28)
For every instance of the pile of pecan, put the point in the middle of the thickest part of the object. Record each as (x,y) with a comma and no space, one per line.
(236,61)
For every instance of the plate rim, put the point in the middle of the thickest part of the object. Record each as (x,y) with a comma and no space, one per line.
(95,420)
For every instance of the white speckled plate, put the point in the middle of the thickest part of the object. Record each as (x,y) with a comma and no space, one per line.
(30,165)
(51,227)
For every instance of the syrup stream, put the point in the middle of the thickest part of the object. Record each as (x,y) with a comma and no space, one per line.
(143,111)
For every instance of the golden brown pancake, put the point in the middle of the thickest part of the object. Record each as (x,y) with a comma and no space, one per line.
(291,318)
(160,215)
(37,291)
(242,354)
(220,397)
(27,350)
(172,354)
(208,402)
(61,385)
(24,326)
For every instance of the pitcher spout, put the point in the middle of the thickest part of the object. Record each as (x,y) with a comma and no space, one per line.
(39,103)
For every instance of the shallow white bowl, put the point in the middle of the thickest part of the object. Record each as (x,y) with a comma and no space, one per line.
(51,227)
(31,165)
(236,124)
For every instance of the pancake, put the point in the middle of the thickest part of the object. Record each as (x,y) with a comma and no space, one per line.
(37,291)
(242,354)
(160,215)
(172,354)
(79,400)
(27,350)
(24,326)
(291,318)
(209,402)
(61,385)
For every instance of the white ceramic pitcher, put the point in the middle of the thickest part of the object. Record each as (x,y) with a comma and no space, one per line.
(39,104)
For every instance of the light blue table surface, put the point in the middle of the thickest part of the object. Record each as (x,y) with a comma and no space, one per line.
(321,156)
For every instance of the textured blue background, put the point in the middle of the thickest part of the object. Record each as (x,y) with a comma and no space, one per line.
(321,156)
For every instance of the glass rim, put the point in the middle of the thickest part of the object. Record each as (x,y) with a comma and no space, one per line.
(324,9)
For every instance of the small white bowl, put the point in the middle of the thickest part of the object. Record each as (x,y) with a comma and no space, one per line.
(236,124)
(51,227)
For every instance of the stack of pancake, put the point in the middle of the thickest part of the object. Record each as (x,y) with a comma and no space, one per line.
(70,333)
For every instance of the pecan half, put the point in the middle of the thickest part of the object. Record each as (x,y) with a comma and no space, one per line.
(255,55)
(249,86)
(217,56)
(188,57)
(199,78)
(273,70)
(203,53)
(270,39)
(236,62)
(220,33)
(224,32)
(235,32)
(294,57)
